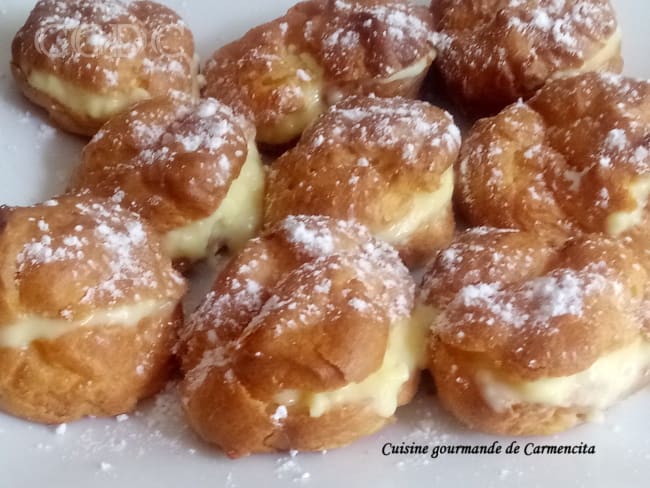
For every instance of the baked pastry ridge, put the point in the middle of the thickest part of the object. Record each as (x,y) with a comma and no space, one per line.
(305,342)
(493,52)
(575,158)
(85,61)
(529,338)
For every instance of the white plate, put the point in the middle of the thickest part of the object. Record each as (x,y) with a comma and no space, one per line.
(153,448)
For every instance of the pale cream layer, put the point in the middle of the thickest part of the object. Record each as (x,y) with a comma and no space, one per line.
(611,48)
(620,222)
(21,333)
(306,77)
(418,68)
(413,71)
(424,209)
(83,101)
(233,223)
(608,380)
(404,356)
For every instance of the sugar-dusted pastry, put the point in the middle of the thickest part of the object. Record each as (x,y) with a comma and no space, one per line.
(89,310)
(530,339)
(86,60)
(575,158)
(387,163)
(191,169)
(493,52)
(286,72)
(305,342)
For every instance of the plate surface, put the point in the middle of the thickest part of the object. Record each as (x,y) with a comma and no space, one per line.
(153,448)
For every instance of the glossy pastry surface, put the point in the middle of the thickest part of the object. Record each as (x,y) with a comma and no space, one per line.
(305,342)
(493,52)
(84,61)
(286,72)
(529,338)
(89,310)
(191,169)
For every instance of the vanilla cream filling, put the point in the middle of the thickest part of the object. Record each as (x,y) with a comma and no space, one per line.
(233,223)
(424,208)
(24,331)
(412,71)
(608,380)
(310,86)
(83,101)
(307,77)
(620,222)
(405,354)
(197,80)
(599,60)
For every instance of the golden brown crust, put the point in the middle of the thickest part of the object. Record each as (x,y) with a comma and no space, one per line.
(493,52)
(508,302)
(104,258)
(562,163)
(109,48)
(100,372)
(109,255)
(369,159)
(318,53)
(292,312)
(169,159)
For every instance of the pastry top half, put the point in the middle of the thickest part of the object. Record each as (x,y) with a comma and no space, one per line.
(531,310)
(320,280)
(287,71)
(190,168)
(72,257)
(85,61)
(492,52)
(575,158)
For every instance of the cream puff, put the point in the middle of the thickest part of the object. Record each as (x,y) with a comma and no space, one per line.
(191,169)
(85,61)
(286,72)
(529,338)
(305,342)
(493,52)
(575,158)
(89,310)
(387,163)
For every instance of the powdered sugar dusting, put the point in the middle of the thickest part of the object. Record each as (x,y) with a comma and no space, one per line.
(389,123)
(306,295)
(537,302)
(201,147)
(396,23)
(110,239)
(88,40)
(316,239)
